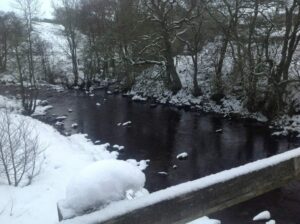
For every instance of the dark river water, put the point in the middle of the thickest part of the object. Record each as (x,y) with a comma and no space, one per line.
(161,133)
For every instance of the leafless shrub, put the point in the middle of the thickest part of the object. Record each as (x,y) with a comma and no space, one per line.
(19,150)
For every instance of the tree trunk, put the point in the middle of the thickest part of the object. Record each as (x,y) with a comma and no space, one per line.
(75,66)
(219,84)
(173,80)
(197,90)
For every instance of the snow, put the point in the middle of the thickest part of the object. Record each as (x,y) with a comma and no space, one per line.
(64,157)
(138,98)
(183,155)
(119,147)
(98,104)
(287,125)
(101,183)
(61,118)
(41,110)
(16,105)
(142,165)
(271,222)
(265,215)
(59,123)
(163,173)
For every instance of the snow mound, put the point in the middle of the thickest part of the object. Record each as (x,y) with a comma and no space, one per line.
(100,184)
(265,215)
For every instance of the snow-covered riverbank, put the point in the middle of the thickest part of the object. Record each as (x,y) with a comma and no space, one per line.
(64,157)
(149,86)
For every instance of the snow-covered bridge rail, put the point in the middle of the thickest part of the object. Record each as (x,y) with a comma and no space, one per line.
(191,200)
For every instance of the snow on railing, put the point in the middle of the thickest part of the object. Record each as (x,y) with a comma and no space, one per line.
(191,200)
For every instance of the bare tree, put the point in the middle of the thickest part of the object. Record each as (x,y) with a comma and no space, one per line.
(4,36)
(67,13)
(19,150)
(278,74)
(195,37)
(226,16)
(169,17)
(43,50)
(23,42)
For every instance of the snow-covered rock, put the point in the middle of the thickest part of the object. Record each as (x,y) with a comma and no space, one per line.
(139,98)
(126,123)
(100,184)
(118,147)
(74,125)
(265,215)
(98,104)
(61,118)
(41,110)
(163,173)
(59,124)
(44,103)
(271,222)
(182,156)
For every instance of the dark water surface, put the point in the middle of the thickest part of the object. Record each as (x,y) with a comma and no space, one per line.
(161,133)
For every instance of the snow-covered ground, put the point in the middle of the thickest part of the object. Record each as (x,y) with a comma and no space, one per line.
(64,158)
(16,105)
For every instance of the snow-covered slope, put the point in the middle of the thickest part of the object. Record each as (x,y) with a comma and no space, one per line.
(64,158)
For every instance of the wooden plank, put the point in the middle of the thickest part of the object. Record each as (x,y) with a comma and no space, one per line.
(215,197)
